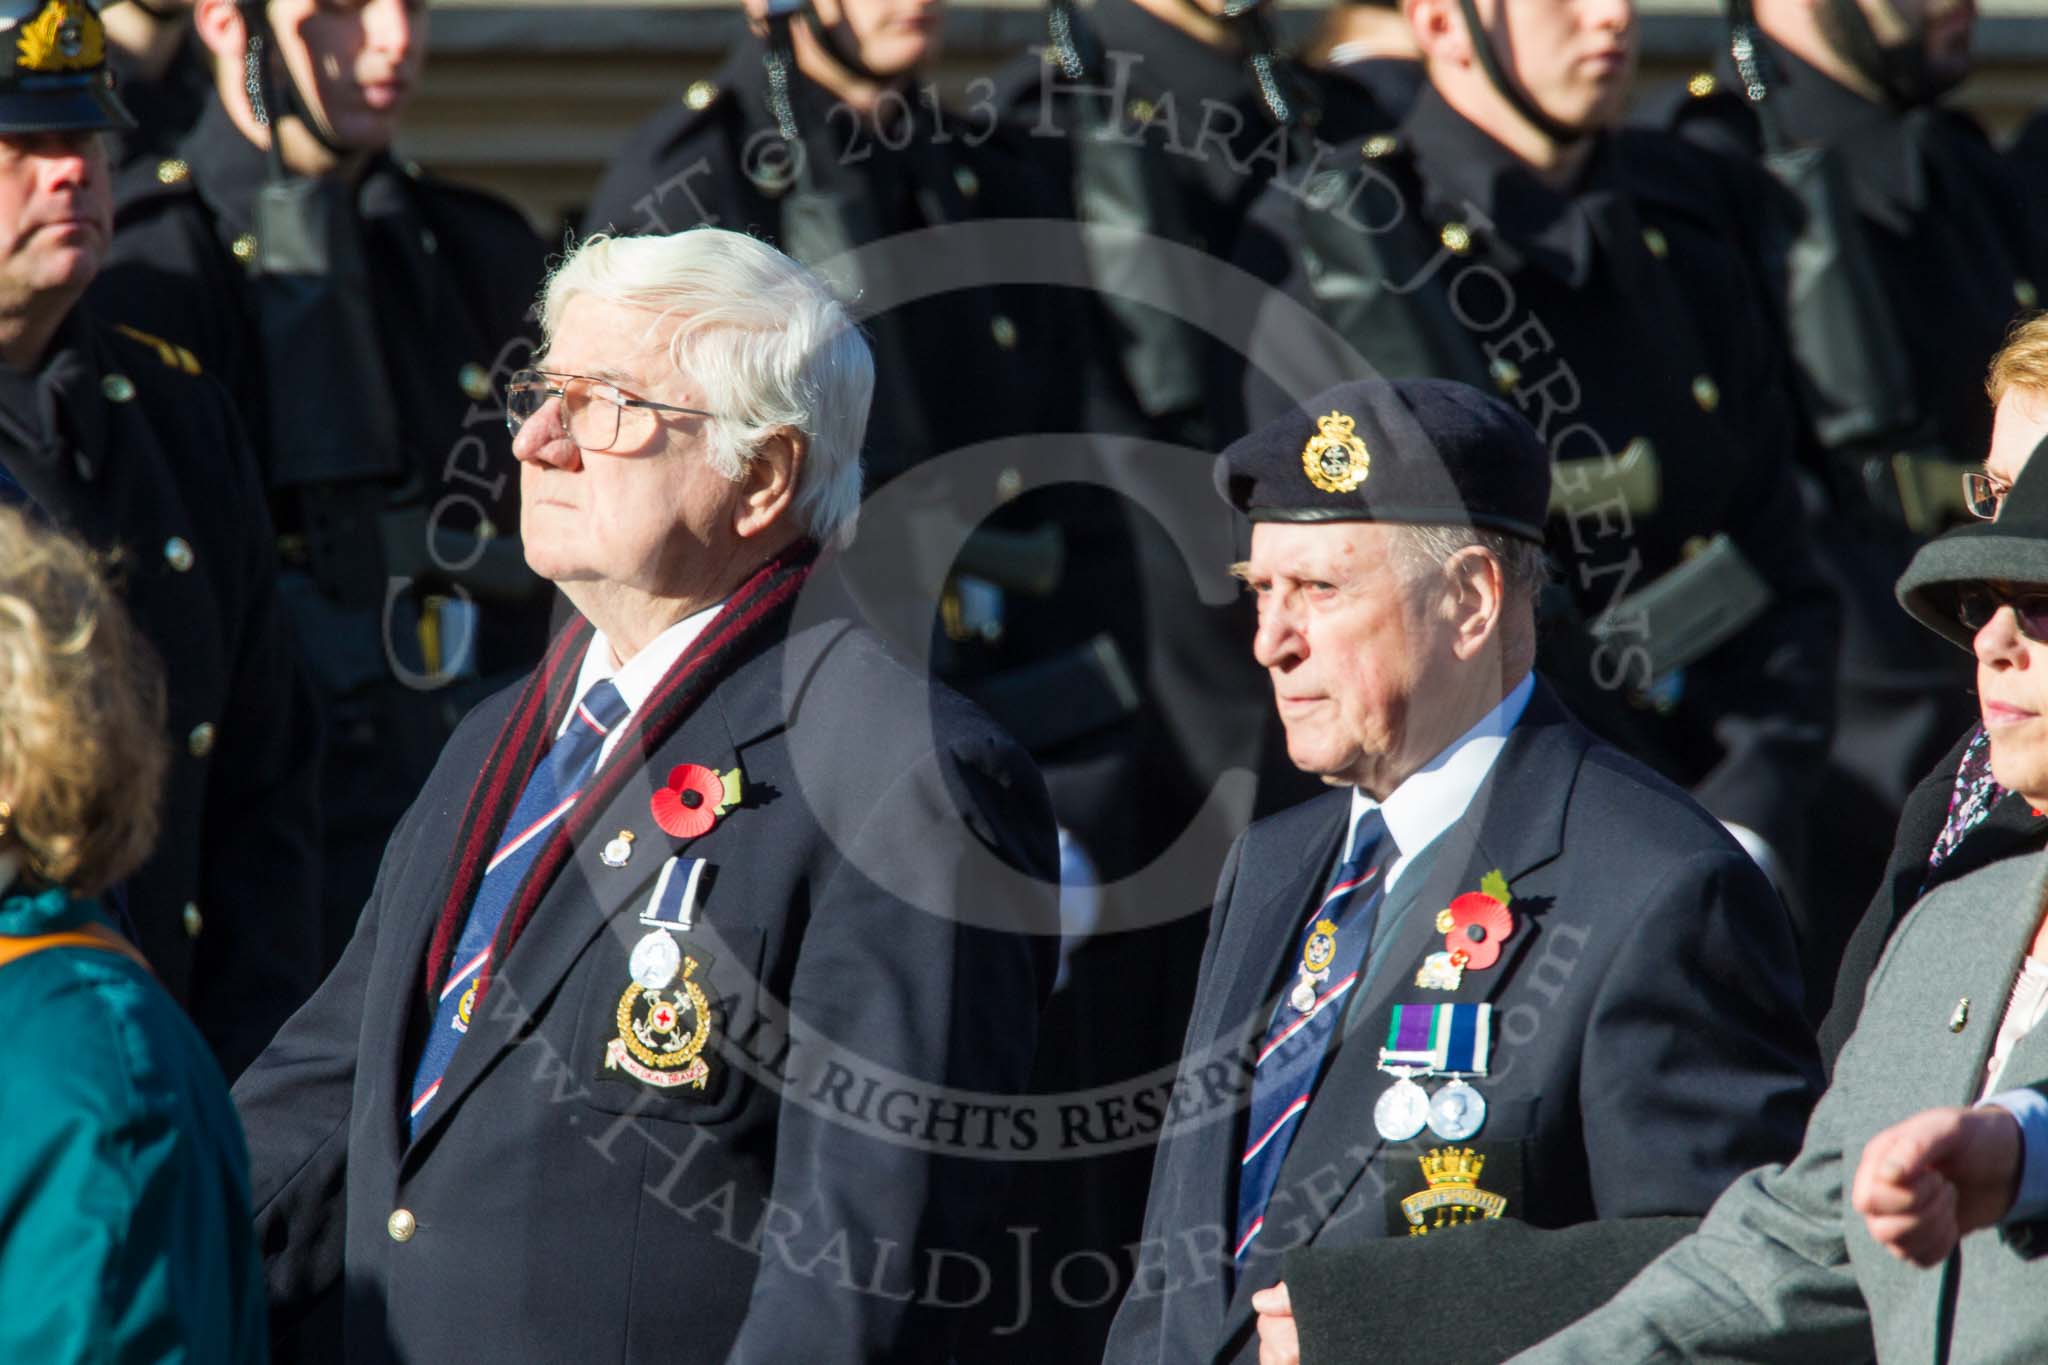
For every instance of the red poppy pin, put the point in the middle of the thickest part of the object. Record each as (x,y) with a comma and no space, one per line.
(1473,926)
(694,799)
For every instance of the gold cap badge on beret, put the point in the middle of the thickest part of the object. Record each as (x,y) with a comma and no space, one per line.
(1334,459)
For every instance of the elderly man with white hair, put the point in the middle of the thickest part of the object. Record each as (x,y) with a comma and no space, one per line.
(679,1022)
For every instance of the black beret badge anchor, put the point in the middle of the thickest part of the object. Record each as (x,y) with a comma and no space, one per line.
(664,1017)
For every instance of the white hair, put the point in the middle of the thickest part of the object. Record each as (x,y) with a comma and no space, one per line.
(762,338)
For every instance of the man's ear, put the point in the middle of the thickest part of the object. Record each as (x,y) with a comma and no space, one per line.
(1439,27)
(768,488)
(1477,595)
(219,25)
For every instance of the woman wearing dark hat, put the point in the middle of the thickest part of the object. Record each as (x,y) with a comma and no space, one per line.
(1966,813)
(124,1185)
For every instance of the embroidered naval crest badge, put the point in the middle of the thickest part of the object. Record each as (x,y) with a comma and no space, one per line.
(1452,1195)
(1334,459)
(64,36)
(662,1033)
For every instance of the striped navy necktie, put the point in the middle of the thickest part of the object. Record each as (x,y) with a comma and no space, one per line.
(1290,1058)
(558,779)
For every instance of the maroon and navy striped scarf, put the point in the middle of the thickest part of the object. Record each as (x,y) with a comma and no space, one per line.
(760,608)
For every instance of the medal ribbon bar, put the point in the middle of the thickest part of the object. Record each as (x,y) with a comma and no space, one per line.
(674,902)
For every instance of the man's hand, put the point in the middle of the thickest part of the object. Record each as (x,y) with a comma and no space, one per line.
(1926,1183)
(1278,1342)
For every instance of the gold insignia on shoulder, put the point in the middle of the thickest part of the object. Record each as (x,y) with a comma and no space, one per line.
(173,356)
(1701,85)
(662,1034)
(64,36)
(1334,459)
(1453,1193)
(1379,145)
(700,94)
(171,171)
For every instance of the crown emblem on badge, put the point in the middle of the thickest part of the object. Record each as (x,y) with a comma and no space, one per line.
(65,35)
(1453,1194)
(1334,459)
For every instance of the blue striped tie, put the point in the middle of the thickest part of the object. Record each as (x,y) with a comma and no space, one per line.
(557,781)
(1291,1057)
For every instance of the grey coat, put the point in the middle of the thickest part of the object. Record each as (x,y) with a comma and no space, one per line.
(1783,1269)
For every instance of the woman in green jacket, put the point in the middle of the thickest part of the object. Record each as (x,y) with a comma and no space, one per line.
(124,1187)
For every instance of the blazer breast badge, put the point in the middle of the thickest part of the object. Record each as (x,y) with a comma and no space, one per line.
(662,1033)
(1452,1195)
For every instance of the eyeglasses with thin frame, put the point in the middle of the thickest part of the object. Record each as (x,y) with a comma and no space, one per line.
(598,414)
(1984,494)
(1977,603)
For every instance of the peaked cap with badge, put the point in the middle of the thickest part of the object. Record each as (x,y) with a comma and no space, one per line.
(2012,549)
(53,69)
(1426,452)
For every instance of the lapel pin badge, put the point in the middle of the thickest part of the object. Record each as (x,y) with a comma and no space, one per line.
(618,850)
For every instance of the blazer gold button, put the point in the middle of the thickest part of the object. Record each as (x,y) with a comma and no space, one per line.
(200,741)
(1654,240)
(475,381)
(192,920)
(967,180)
(700,94)
(401,1225)
(178,554)
(118,388)
(172,171)
(1706,392)
(1456,237)
(2024,293)
(1004,331)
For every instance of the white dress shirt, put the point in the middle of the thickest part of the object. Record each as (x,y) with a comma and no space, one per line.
(637,678)
(1435,796)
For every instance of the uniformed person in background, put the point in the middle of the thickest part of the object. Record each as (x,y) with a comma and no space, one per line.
(1911,258)
(361,316)
(1509,236)
(161,71)
(1370,42)
(115,434)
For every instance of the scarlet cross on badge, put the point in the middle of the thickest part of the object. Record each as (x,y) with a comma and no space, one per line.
(662,1017)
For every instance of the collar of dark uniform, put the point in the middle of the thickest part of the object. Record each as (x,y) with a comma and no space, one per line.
(1467,175)
(840,145)
(1173,60)
(1878,143)
(229,169)
(57,406)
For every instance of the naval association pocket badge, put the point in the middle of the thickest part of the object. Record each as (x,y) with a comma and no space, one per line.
(1452,1192)
(662,1033)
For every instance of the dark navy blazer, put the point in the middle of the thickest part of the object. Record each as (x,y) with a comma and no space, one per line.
(557,1210)
(1649,1045)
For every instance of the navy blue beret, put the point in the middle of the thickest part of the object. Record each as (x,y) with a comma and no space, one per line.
(1421,451)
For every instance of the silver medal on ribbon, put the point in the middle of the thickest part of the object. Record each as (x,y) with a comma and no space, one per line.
(656,960)
(1402,1110)
(1456,1112)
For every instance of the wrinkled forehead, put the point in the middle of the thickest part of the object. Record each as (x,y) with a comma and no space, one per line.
(1322,550)
(611,340)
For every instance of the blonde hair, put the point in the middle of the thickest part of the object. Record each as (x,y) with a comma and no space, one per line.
(2022,363)
(82,754)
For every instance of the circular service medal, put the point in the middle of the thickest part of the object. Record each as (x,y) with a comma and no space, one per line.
(1456,1112)
(1401,1111)
(655,961)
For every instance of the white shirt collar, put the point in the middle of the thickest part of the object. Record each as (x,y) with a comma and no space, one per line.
(1435,796)
(638,677)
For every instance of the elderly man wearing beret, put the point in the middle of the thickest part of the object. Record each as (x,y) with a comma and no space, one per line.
(1502,971)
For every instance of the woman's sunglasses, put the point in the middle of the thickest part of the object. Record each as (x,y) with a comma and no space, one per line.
(1977,603)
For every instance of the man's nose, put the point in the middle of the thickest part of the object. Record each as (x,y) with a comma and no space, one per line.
(1277,643)
(543,438)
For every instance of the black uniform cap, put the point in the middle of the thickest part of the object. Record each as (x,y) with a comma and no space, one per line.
(53,69)
(1427,452)
(2012,549)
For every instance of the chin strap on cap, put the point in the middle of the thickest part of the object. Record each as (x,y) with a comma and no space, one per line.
(1489,61)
